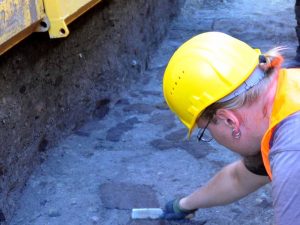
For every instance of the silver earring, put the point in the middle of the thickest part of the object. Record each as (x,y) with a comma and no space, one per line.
(236,133)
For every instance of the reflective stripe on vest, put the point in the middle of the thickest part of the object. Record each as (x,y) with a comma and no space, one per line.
(287,102)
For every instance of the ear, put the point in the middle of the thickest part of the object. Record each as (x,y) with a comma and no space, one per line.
(229,117)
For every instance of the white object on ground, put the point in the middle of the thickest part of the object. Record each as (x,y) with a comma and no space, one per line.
(146,213)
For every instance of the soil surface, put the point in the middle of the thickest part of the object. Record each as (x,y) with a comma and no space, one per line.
(137,154)
(51,87)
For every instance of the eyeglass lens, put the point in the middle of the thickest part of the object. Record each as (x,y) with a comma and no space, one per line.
(204,134)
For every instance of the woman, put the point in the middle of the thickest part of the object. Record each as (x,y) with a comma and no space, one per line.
(250,105)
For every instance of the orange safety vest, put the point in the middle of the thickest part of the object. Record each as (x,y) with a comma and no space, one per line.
(287,102)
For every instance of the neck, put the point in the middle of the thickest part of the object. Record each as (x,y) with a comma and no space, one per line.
(268,97)
(258,114)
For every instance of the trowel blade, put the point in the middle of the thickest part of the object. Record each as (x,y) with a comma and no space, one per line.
(146,213)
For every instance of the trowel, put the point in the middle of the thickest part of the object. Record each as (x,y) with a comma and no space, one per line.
(147,213)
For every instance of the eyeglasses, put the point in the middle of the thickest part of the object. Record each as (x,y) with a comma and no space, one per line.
(204,136)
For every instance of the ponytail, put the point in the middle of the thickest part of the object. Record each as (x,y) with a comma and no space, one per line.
(271,60)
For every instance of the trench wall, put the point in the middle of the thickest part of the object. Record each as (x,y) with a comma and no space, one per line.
(49,88)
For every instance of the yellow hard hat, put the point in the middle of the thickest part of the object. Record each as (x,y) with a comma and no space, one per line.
(203,70)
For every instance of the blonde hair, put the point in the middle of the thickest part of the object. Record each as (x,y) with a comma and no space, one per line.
(269,62)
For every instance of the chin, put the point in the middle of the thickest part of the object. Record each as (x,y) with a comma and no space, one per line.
(250,153)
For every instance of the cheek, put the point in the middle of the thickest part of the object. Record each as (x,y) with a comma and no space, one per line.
(223,136)
(242,146)
(225,139)
(220,133)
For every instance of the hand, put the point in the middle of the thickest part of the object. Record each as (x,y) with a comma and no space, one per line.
(173,211)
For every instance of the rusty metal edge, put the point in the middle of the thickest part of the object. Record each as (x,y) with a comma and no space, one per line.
(81,11)
(18,37)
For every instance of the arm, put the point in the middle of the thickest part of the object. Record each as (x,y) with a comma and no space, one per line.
(232,183)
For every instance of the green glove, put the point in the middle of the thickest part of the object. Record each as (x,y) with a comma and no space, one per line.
(172,211)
